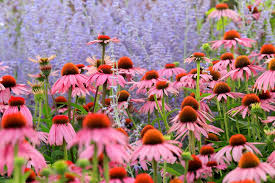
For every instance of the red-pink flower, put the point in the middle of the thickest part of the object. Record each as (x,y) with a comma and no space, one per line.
(104,39)
(190,79)
(237,145)
(162,88)
(226,62)
(71,78)
(10,84)
(61,131)
(33,157)
(251,168)
(15,130)
(247,101)
(267,52)
(124,99)
(95,63)
(126,67)
(170,70)
(197,57)
(17,104)
(150,105)
(231,39)
(267,79)
(271,159)
(222,10)
(178,84)
(118,175)
(105,74)
(221,90)
(243,68)
(266,97)
(155,147)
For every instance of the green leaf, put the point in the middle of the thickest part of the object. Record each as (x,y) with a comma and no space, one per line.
(209,11)
(175,169)
(79,107)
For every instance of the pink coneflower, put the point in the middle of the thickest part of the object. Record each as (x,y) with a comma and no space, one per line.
(105,74)
(17,104)
(124,99)
(118,175)
(144,178)
(216,75)
(155,147)
(254,11)
(232,38)
(196,170)
(170,70)
(221,90)
(197,56)
(70,79)
(226,61)
(243,69)
(266,97)
(207,154)
(162,88)
(150,105)
(247,101)
(126,67)
(267,79)
(95,63)
(15,129)
(3,67)
(178,84)
(190,78)
(267,52)
(222,10)
(203,105)
(147,81)
(271,159)
(97,129)
(61,129)
(103,39)
(250,167)
(187,120)
(10,85)
(238,145)
(82,92)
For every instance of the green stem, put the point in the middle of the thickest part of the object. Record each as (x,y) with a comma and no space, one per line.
(238,127)
(192,142)
(149,118)
(106,168)
(220,112)
(185,171)
(248,128)
(104,93)
(164,113)
(225,122)
(69,104)
(95,164)
(222,25)
(164,171)
(198,82)
(155,171)
(103,54)
(17,170)
(65,150)
(95,101)
(76,101)
(39,115)
(46,99)
(35,110)
(246,83)
(130,116)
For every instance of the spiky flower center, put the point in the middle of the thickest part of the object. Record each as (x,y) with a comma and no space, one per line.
(267,49)
(179,76)
(60,101)
(207,150)
(242,61)
(198,55)
(222,6)
(88,107)
(215,75)
(106,69)
(69,69)
(249,99)
(80,66)
(188,114)
(231,35)
(118,173)
(195,164)
(254,10)
(8,81)
(13,120)
(70,177)
(96,121)
(212,137)
(175,180)
(144,178)
(161,85)
(107,102)
(151,98)
(31,176)
(16,101)
(264,95)
(152,137)
(271,64)
(227,56)
(221,88)
(103,37)
(151,75)
(125,63)
(237,140)
(123,96)
(212,164)
(145,129)
(190,101)
(60,119)
(249,160)
(170,66)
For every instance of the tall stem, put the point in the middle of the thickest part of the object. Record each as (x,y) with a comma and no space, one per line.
(46,99)
(106,168)
(246,83)
(35,110)
(95,164)
(104,90)
(222,25)
(103,54)
(148,114)
(225,121)
(248,128)
(191,142)
(96,93)
(39,115)
(164,113)
(155,171)
(69,104)
(17,170)
(198,81)
(65,150)
(164,171)
(185,171)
